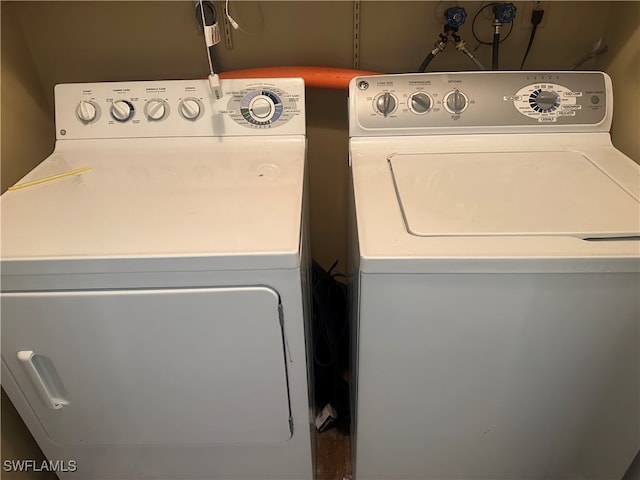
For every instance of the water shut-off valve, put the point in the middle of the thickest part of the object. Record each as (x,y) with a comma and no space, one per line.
(455,16)
(504,12)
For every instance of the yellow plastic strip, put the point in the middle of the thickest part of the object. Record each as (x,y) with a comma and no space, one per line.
(18,186)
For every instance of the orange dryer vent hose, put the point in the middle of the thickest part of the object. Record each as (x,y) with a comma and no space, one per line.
(315,77)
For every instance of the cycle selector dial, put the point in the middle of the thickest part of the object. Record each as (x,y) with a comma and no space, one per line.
(385,103)
(456,102)
(190,108)
(261,107)
(156,109)
(544,100)
(122,110)
(87,111)
(420,103)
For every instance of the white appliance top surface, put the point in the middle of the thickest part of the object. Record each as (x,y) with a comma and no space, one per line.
(511,193)
(445,201)
(160,197)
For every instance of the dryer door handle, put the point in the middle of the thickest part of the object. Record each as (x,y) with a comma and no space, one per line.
(45,378)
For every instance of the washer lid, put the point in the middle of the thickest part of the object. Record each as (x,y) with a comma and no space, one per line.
(511,193)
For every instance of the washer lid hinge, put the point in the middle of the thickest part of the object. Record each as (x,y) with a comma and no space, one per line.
(281,315)
(284,333)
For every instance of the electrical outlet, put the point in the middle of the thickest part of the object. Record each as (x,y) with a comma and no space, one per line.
(524,16)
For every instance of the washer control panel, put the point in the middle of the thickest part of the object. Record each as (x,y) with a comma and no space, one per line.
(180,108)
(481,102)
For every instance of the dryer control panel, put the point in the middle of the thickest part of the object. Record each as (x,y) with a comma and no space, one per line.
(479,102)
(180,108)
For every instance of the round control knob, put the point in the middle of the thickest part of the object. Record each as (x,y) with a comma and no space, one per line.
(261,108)
(456,102)
(504,12)
(455,16)
(122,110)
(87,111)
(546,100)
(156,109)
(190,108)
(385,103)
(420,103)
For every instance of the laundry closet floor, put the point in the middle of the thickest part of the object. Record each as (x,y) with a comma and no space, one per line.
(333,455)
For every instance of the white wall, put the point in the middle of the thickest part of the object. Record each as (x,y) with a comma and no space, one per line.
(27,115)
(622,62)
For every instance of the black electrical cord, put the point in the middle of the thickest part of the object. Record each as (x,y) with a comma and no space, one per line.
(214,59)
(332,339)
(536,19)
(495,49)
(209,18)
(473,27)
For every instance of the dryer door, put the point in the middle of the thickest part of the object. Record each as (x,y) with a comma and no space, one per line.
(162,366)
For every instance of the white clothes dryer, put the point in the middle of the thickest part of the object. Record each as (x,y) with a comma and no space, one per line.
(496,251)
(155,304)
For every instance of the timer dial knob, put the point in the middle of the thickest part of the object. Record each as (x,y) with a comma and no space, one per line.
(87,111)
(547,100)
(456,102)
(261,108)
(385,103)
(122,110)
(420,103)
(190,108)
(156,109)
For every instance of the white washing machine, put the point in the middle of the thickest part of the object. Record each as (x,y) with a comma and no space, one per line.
(496,249)
(154,305)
